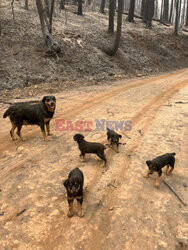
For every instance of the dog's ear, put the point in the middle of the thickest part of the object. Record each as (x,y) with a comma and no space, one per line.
(66,183)
(148,163)
(44,99)
(120,136)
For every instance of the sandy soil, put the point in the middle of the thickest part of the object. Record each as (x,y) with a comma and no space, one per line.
(122,210)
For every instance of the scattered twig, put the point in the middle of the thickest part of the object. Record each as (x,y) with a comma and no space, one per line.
(21,212)
(119,143)
(180,102)
(110,184)
(127,136)
(140,131)
(174,193)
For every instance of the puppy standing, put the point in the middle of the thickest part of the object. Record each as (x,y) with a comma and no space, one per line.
(31,114)
(113,139)
(90,148)
(74,185)
(158,163)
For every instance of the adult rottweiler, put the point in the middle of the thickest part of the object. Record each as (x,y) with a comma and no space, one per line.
(24,113)
(90,147)
(113,139)
(158,163)
(74,185)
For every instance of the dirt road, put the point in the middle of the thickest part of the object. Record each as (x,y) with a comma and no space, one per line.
(122,210)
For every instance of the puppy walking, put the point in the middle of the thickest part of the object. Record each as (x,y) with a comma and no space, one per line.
(31,114)
(113,139)
(90,148)
(74,185)
(158,163)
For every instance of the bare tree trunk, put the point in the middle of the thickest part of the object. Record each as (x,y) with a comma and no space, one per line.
(26,5)
(143,6)
(177,18)
(171,10)
(62,5)
(112,51)
(149,12)
(102,6)
(156,10)
(165,10)
(46,3)
(51,15)
(80,8)
(130,17)
(111,16)
(186,21)
(162,7)
(42,23)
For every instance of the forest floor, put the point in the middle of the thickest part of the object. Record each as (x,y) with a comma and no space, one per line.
(122,210)
(26,68)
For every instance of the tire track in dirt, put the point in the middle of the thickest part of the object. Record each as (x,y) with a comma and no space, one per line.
(120,172)
(39,154)
(96,235)
(78,108)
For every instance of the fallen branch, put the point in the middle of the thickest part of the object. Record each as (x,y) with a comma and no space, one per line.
(174,193)
(153,19)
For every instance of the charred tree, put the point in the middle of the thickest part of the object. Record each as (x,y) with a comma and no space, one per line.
(80,8)
(26,7)
(112,51)
(111,16)
(143,6)
(53,47)
(165,10)
(176,19)
(62,5)
(130,17)
(47,8)
(148,13)
(102,6)
(171,10)
(51,16)
(186,20)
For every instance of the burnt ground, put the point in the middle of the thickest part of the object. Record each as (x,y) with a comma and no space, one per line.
(121,209)
(24,63)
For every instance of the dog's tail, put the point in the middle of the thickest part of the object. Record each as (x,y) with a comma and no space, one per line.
(7,113)
(173,153)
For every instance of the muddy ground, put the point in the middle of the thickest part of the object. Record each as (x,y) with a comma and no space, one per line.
(122,210)
(24,65)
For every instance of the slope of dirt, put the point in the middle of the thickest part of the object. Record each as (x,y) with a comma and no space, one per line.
(23,61)
(122,210)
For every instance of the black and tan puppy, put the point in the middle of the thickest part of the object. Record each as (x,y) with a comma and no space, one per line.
(74,185)
(158,163)
(113,139)
(31,114)
(90,148)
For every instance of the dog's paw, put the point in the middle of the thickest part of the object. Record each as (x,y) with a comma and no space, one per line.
(157,185)
(146,176)
(80,214)
(70,214)
(50,134)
